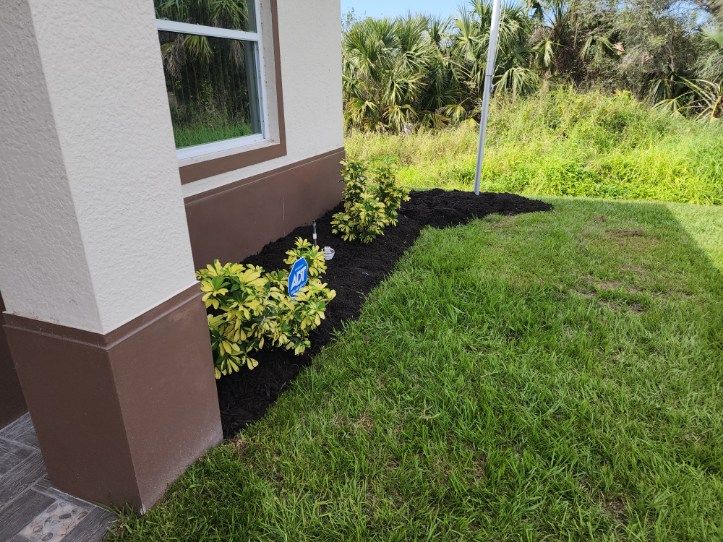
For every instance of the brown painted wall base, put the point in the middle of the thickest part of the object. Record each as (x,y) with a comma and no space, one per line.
(238,219)
(120,416)
(12,402)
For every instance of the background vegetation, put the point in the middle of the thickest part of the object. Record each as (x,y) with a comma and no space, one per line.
(563,142)
(422,71)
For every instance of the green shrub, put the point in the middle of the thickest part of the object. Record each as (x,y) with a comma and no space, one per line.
(389,193)
(236,297)
(248,308)
(371,203)
(294,318)
(313,255)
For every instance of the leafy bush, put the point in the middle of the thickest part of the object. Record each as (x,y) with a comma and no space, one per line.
(248,308)
(313,255)
(389,193)
(294,318)
(370,203)
(236,297)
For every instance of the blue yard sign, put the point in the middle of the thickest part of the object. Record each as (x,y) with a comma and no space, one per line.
(298,276)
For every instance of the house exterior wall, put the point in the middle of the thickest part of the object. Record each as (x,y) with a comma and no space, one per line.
(234,214)
(310,58)
(34,185)
(67,133)
(103,315)
(12,402)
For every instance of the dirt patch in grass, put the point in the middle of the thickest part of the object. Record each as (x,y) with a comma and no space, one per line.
(614,294)
(479,469)
(633,238)
(627,233)
(364,423)
(612,504)
(615,506)
(609,285)
(355,270)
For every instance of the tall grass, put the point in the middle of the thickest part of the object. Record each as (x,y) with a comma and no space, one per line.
(567,143)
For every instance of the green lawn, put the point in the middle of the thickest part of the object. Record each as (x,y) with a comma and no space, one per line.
(546,376)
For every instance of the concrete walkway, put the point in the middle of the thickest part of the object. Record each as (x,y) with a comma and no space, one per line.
(30,508)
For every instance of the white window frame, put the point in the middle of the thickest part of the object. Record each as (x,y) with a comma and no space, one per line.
(198,153)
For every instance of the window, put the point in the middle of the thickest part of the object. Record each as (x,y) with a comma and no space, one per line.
(211,52)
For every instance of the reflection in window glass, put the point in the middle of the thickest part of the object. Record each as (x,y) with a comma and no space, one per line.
(212,87)
(232,14)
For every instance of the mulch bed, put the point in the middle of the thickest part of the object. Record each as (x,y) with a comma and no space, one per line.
(354,271)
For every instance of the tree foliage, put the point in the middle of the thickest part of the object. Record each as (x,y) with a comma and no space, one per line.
(415,71)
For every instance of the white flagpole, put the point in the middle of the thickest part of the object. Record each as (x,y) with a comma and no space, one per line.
(489,73)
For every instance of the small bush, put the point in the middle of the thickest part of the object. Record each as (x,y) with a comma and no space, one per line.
(236,298)
(294,318)
(389,193)
(313,255)
(248,308)
(370,203)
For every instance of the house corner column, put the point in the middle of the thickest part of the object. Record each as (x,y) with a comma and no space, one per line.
(103,315)
(12,402)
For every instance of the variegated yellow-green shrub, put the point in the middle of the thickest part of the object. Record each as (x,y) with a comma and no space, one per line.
(294,318)
(314,256)
(236,298)
(248,308)
(389,193)
(371,202)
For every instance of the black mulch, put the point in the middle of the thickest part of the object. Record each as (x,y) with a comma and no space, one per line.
(354,271)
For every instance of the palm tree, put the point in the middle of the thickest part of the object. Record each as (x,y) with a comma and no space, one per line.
(571,39)
(385,64)
(427,71)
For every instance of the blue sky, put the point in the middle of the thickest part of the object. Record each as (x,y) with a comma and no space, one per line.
(390,8)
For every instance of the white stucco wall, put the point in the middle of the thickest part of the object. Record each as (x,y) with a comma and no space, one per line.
(42,261)
(91,216)
(310,47)
(92,226)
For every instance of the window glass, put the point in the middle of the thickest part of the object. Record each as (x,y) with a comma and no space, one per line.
(231,14)
(212,87)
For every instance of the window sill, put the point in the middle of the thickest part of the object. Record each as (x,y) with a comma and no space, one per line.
(220,149)
(194,166)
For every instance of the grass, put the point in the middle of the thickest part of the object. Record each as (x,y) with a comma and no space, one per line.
(207,131)
(565,143)
(552,376)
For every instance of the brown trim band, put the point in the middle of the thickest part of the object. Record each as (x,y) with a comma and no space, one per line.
(216,166)
(12,403)
(261,176)
(120,416)
(236,220)
(108,340)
